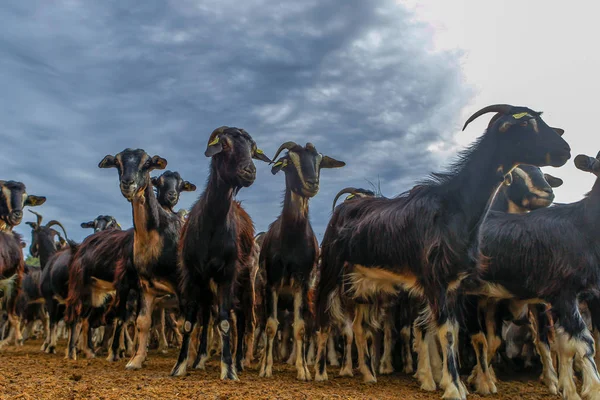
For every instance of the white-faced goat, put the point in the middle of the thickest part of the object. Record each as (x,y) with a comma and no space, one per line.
(426,240)
(290,250)
(215,252)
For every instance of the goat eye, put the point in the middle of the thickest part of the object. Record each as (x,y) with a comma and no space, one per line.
(524,123)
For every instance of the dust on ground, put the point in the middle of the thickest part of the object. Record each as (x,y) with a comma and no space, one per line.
(27,373)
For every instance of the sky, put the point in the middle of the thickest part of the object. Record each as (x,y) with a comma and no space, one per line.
(383,85)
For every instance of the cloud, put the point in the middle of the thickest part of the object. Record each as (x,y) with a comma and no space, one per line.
(84,79)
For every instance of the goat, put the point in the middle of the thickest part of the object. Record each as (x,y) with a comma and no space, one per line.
(554,253)
(101,223)
(43,245)
(290,250)
(106,264)
(168,186)
(425,240)
(215,251)
(526,189)
(13,198)
(155,239)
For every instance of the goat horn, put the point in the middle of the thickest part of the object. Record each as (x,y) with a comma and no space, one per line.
(348,190)
(285,146)
(499,108)
(39,217)
(55,222)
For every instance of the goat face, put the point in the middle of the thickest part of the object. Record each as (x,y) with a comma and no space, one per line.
(13,198)
(529,188)
(101,223)
(525,137)
(43,235)
(232,151)
(302,167)
(168,187)
(134,168)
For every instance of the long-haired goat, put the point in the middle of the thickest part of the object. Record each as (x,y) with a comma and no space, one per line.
(215,251)
(425,241)
(290,250)
(553,267)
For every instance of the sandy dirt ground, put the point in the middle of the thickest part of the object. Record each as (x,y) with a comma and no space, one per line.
(26,373)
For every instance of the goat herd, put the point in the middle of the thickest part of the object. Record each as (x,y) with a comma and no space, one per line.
(456,265)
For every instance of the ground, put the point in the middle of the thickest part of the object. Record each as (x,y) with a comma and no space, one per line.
(26,373)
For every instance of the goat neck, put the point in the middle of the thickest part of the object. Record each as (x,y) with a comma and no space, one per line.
(145,211)
(295,209)
(218,195)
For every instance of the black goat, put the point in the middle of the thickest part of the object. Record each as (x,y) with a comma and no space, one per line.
(13,198)
(101,223)
(290,250)
(215,251)
(425,241)
(168,187)
(554,254)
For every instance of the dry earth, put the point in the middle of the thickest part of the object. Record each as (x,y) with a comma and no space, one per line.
(26,373)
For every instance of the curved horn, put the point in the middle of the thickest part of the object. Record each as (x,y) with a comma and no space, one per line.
(39,217)
(55,222)
(499,108)
(347,190)
(285,146)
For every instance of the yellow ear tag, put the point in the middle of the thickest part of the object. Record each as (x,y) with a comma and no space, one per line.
(278,163)
(520,115)
(258,151)
(350,197)
(214,141)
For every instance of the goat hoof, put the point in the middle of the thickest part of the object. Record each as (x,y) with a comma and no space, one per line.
(386,369)
(44,347)
(321,377)
(51,350)
(133,364)
(179,370)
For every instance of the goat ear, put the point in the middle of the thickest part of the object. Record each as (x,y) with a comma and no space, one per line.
(33,201)
(154,181)
(214,147)
(559,131)
(328,162)
(188,187)
(87,224)
(553,181)
(279,165)
(108,162)
(260,155)
(158,163)
(586,163)
(33,225)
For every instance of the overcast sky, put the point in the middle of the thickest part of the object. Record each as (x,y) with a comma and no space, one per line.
(382,85)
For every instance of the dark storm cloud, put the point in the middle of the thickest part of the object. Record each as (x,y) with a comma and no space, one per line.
(84,79)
